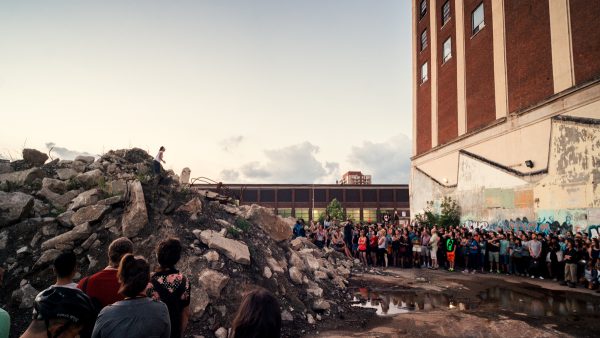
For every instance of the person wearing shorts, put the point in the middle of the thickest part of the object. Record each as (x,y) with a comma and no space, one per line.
(493,246)
(451,250)
(362,248)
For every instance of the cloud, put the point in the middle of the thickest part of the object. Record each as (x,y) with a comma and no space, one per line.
(231,143)
(387,162)
(292,164)
(254,170)
(64,153)
(230,176)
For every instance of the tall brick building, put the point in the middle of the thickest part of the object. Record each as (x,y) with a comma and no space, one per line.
(506,114)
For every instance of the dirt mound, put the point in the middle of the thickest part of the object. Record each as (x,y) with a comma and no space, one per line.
(83,205)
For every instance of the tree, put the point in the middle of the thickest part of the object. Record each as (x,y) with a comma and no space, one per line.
(334,210)
(449,216)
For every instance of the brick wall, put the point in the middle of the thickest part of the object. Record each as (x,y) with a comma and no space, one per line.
(423,90)
(585,15)
(447,93)
(528,52)
(479,66)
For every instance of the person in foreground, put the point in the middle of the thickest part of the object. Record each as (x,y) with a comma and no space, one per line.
(137,316)
(60,312)
(258,316)
(170,286)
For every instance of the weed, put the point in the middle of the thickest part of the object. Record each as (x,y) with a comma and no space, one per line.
(242,224)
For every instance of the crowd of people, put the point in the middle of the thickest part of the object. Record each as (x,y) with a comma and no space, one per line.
(126,299)
(571,259)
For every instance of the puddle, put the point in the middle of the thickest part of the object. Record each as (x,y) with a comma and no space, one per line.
(537,303)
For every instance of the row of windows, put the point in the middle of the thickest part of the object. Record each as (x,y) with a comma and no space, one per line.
(369,215)
(320,195)
(445,11)
(477,21)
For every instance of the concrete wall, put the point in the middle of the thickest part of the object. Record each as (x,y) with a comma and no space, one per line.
(564,196)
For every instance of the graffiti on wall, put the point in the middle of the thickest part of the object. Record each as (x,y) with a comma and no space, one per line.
(541,225)
(518,224)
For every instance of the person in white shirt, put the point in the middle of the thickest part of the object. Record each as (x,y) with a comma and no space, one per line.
(157,160)
(65,267)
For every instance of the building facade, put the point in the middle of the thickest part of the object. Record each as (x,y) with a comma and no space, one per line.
(308,201)
(506,112)
(355,178)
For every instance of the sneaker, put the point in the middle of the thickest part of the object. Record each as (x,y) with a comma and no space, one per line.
(555,280)
(465,271)
(491,271)
(498,271)
(532,277)
(542,278)
(473,272)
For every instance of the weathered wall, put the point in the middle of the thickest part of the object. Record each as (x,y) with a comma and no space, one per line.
(567,197)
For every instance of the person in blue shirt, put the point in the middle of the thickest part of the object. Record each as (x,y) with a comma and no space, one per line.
(299,229)
(474,253)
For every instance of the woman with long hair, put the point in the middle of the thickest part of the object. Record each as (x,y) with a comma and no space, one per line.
(258,316)
(137,316)
(170,286)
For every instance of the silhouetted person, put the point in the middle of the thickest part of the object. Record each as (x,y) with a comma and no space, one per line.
(258,316)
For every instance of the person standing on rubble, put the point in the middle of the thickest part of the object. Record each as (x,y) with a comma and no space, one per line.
(157,160)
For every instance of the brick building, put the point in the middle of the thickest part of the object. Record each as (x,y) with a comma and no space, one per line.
(308,201)
(355,177)
(506,111)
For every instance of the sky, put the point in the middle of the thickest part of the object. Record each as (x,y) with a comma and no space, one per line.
(240,91)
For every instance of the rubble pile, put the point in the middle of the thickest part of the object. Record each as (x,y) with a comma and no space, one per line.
(84,204)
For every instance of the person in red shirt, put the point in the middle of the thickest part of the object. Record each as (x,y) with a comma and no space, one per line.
(362,248)
(103,286)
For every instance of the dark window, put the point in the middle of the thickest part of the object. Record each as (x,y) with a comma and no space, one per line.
(284,195)
(302,195)
(337,194)
(353,195)
(477,19)
(446,12)
(369,195)
(320,195)
(423,8)
(424,40)
(402,195)
(250,195)
(267,195)
(386,195)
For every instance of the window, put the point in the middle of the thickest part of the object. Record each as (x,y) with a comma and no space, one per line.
(301,213)
(284,212)
(447,53)
(477,19)
(317,213)
(424,73)
(370,215)
(446,12)
(423,8)
(353,214)
(424,40)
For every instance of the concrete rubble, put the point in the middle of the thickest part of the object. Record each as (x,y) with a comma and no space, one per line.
(84,204)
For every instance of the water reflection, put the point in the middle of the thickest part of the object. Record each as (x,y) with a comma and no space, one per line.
(538,304)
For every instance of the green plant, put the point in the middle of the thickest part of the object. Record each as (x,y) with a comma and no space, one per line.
(102,184)
(334,210)
(242,224)
(234,232)
(73,184)
(143,178)
(449,215)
